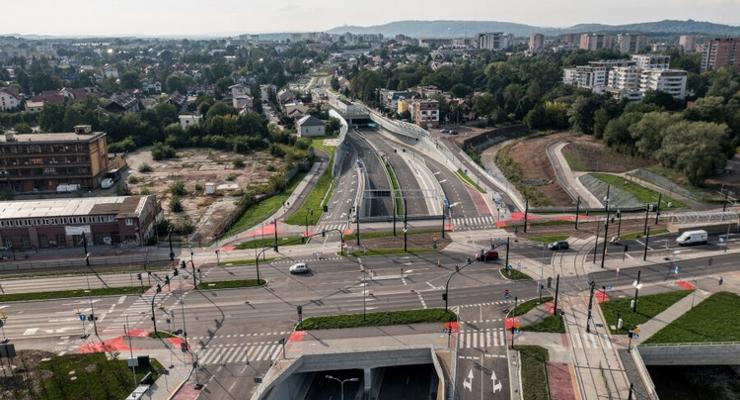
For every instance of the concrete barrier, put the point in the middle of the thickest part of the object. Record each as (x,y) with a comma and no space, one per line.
(719,353)
(341,144)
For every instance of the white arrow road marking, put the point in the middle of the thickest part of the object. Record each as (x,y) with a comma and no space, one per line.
(495,382)
(468,382)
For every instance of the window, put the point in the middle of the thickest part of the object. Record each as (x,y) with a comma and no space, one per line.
(129,221)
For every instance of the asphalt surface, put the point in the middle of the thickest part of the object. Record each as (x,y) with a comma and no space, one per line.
(410,187)
(377,179)
(343,198)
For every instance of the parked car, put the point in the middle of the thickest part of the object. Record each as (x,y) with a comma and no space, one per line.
(692,237)
(106,183)
(300,268)
(559,245)
(453,132)
(490,255)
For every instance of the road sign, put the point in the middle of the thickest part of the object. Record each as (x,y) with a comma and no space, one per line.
(83,317)
(609,286)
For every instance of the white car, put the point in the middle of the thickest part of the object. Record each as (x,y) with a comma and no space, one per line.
(106,183)
(300,268)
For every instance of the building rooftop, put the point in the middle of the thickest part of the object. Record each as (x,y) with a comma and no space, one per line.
(51,137)
(310,120)
(121,206)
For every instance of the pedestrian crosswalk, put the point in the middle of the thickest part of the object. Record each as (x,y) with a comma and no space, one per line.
(236,353)
(307,260)
(241,335)
(331,227)
(473,222)
(476,339)
(136,311)
(490,303)
(587,340)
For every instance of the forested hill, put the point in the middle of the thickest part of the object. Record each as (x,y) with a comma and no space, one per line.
(449,29)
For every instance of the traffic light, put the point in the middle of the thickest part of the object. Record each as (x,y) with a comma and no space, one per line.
(174,272)
(444,296)
(326,208)
(182,264)
(323,233)
(159,288)
(167,280)
(138,276)
(184,347)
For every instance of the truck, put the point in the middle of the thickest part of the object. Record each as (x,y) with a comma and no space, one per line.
(692,237)
(67,187)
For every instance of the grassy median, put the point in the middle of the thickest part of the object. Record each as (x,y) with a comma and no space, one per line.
(514,274)
(534,372)
(552,324)
(61,294)
(647,307)
(642,194)
(269,241)
(715,319)
(525,307)
(239,283)
(466,179)
(390,251)
(377,319)
(321,190)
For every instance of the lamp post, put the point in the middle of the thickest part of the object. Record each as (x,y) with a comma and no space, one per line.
(169,239)
(341,383)
(447,284)
(218,260)
(154,319)
(309,212)
(637,285)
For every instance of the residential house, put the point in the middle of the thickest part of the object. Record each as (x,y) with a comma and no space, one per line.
(240,90)
(309,126)
(242,102)
(10,99)
(295,110)
(188,120)
(123,102)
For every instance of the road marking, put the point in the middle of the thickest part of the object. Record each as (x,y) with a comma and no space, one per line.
(30,331)
(122,299)
(468,382)
(497,386)
(421,299)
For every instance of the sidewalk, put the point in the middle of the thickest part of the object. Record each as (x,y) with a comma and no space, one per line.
(670,314)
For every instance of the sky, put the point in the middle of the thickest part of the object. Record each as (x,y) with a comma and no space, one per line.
(227,17)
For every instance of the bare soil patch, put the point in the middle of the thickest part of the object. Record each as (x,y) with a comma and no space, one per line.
(195,168)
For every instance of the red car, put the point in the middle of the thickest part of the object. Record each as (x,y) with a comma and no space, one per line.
(490,255)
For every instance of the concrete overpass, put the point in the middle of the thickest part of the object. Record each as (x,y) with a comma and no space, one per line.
(720,353)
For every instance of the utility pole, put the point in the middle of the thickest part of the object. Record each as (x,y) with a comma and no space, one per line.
(274,224)
(657,208)
(526,213)
(405,225)
(169,238)
(590,306)
(506,263)
(606,241)
(637,289)
(84,245)
(647,240)
(596,245)
(513,320)
(647,211)
(619,224)
(557,290)
(308,212)
(357,221)
(724,203)
(578,210)
(443,221)
(154,319)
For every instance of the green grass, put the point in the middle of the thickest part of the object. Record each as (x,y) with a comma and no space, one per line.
(548,238)
(268,242)
(466,179)
(263,209)
(321,190)
(245,261)
(647,307)
(60,294)
(161,335)
(390,251)
(95,377)
(642,194)
(239,283)
(552,324)
(638,235)
(575,160)
(534,372)
(377,319)
(514,274)
(318,144)
(525,307)
(715,319)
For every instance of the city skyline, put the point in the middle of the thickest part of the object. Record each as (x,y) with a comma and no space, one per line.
(230,17)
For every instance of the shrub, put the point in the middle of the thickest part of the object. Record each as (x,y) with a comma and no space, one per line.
(133,179)
(144,168)
(231,177)
(177,188)
(176,205)
(145,191)
(183,228)
(239,164)
(270,168)
(161,151)
(198,187)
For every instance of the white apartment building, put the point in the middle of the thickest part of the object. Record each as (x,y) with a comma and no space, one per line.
(624,82)
(671,81)
(536,42)
(8,101)
(494,41)
(652,61)
(631,43)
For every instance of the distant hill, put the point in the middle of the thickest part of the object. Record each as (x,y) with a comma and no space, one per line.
(449,29)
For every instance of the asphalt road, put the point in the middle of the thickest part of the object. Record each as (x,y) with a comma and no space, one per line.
(377,179)
(338,215)
(410,187)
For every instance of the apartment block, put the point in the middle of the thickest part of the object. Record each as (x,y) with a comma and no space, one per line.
(687,43)
(671,81)
(721,52)
(536,42)
(40,162)
(596,41)
(494,41)
(631,43)
(652,61)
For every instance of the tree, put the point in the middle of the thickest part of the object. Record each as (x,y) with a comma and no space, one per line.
(219,108)
(711,109)
(484,104)
(535,118)
(161,151)
(617,134)
(130,80)
(176,83)
(581,113)
(332,126)
(601,118)
(222,85)
(22,127)
(648,132)
(460,90)
(697,149)
(556,115)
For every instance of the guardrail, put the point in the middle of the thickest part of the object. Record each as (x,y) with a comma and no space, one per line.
(341,144)
(692,344)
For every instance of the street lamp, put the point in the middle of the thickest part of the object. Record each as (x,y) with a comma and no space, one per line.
(447,284)
(218,259)
(154,319)
(637,285)
(308,212)
(341,383)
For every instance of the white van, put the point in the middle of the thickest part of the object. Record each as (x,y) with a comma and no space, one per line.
(692,237)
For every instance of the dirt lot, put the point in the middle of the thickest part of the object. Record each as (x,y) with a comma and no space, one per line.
(588,154)
(196,167)
(729,180)
(531,157)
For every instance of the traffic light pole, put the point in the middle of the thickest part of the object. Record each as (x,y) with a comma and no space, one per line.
(526,214)
(647,240)
(447,284)
(357,221)
(657,208)
(590,306)
(506,263)
(578,210)
(557,290)
(637,290)
(443,221)
(274,223)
